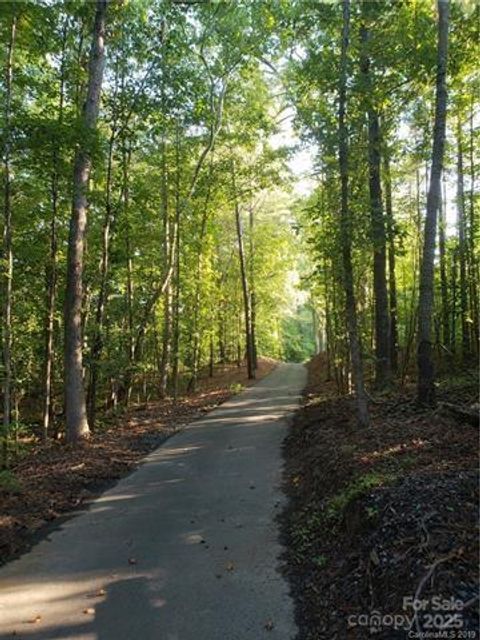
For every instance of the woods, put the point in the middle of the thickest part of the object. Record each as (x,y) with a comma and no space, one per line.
(154,222)
(272,204)
(399,139)
(135,150)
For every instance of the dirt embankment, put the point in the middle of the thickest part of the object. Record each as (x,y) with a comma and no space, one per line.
(381,517)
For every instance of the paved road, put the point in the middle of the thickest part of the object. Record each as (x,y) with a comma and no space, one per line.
(185,548)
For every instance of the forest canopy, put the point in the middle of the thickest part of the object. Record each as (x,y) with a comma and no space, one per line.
(159,216)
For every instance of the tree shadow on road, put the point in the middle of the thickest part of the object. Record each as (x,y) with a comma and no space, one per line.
(130,610)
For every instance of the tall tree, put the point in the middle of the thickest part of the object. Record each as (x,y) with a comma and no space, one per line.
(244,279)
(426,375)
(443,267)
(462,245)
(378,232)
(52,267)
(392,279)
(75,404)
(7,241)
(345,223)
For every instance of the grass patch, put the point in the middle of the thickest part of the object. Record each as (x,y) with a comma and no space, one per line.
(361,485)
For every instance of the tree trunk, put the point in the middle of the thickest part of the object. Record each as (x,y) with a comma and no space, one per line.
(246,294)
(253,298)
(392,281)
(426,374)
(345,234)
(462,247)
(383,372)
(75,405)
(129,284)
(7,245)
(474,275)
(328,324)
(198,289)
(97,342)
(412,314)
(443,271)
(52,266)
(167,297)
(176,296)
(453,305)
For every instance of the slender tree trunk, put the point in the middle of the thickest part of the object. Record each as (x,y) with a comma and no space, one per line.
(198,289)
(129,264)
(345,232)
(383,372)
(75,404)
(176,296)
(7,245)
(426,374)
(392,280)
(443,272)
(462,247)
(50,315)
(176,325)
(97,342)
(474,275)
(411,314)
(453,323)
(211,366)
(167,297)
(328,324)
(52,266)
(253,298)
(221,339)
(246,294)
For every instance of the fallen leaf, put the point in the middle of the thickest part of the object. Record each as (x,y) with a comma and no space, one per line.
(77,467)
(230,566)
(97,594)
(269,625)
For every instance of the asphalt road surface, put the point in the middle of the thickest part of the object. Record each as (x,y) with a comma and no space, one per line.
(184,548)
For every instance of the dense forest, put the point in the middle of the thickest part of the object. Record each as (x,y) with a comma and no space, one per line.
(198,193)
(155,118)
(151,224)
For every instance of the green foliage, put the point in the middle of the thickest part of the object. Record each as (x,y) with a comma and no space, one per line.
(357,488)
(190,92)
(298,337)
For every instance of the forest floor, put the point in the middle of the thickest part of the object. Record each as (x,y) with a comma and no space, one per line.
(46,482)
(381,515)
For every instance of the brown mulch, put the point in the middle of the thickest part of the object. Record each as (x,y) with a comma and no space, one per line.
(381,514)
(51,481)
